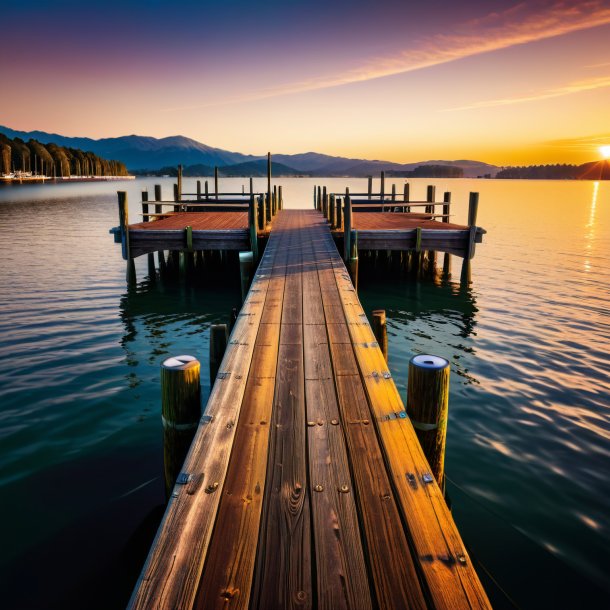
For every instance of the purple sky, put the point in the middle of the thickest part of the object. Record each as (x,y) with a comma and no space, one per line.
(504,82)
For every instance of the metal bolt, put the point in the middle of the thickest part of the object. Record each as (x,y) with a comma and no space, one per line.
(319,488)
(334,422)
(311,423)
(212,487)
(344,489)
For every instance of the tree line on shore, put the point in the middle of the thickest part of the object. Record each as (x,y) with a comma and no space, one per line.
(53,160)
(596,170)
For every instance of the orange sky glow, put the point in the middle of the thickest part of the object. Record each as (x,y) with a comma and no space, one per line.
(503,82)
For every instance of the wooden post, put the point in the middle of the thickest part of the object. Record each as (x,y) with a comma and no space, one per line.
(179,183)
(206,191)
(381,331)
(382,187)
(269,174)
(393,192)
(145,206)
(338,213)
(331,212)
(324,208)
(198,190)
(280,198)
(427,407)
(253,226)
(152,272)
(246,272)
(124,224)
(353,259)
(251,185)
(181,412)
(219,337)
(216,182)
(262,216)
(447,256)
(319,199)
(268,214)
(315,202)
(370,187)
(473,208)
(430,196)
(274,200)
(176,197)
(347,226)
(158,196)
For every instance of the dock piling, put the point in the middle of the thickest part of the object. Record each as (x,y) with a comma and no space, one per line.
(347,226)
(381,331)
(246,272)
(253,226)
(145,206)
(269,174)
(353,259)
(215,182)
(179,183)
(219,337)
(124,223)
(427,408)
(198,190)
(181,412)
(176,197)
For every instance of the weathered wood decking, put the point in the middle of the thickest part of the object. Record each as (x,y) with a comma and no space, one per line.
(398,231)
(218,230)
(305,485)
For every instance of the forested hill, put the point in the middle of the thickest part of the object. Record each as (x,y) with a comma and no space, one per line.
(53,160)
(595,170)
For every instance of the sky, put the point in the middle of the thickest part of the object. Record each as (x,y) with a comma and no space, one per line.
(503,82)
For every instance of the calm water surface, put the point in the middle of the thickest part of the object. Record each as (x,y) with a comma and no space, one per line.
(528,457)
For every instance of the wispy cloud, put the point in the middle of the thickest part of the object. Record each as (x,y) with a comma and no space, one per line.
(590,84)
(582,143)
(521,24)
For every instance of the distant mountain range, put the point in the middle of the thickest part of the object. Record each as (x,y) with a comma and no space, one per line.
(143,152)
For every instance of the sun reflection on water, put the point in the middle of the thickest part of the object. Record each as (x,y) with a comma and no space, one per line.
(590,229)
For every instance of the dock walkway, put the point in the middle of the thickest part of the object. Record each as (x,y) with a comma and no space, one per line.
(305,485)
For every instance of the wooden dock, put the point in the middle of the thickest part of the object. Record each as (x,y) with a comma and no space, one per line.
(305,485)
(211,230)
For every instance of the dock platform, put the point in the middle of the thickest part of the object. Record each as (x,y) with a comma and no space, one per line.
(305,485)
(217,230)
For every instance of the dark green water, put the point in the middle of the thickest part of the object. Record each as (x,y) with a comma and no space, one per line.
(528,457)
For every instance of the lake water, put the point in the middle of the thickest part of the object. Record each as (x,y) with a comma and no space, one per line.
(528,452)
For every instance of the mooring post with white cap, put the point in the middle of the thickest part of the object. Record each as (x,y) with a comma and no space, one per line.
(181,412)
(427,407)
(219,337)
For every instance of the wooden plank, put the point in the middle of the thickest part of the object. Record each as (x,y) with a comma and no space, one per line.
(341,573)
(283,577)
(395,580)
(172,571)
(444,563)
(227,578)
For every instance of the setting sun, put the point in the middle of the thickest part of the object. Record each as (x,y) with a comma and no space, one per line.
(605,151)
